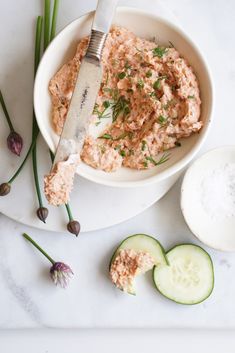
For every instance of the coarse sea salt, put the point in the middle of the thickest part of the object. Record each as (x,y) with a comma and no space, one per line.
(217,192)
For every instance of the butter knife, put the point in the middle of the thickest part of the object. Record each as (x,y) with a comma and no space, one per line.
(86,87)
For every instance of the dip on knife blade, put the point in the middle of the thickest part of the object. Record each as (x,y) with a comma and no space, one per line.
(58,184)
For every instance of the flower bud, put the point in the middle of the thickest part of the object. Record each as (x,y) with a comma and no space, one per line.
(60,274)
(74,227)
(5,188)
(15,143)
(42,213)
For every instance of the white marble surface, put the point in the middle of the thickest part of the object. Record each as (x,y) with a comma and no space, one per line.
(27,297)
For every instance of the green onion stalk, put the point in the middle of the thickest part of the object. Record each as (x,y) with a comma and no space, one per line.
(42,212)
(49,33)
(5,188)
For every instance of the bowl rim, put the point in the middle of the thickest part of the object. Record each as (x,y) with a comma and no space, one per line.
(182,193)
(176,167)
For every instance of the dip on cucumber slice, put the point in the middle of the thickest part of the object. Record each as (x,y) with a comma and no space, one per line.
(136,255)
(189,278)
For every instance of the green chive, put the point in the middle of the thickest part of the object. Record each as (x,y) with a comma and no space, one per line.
(159,51)
(47,10)
(106,104)
(161,119)
(149,73)
(121,75)
(157,84)
(140,84)
(54,19)
(143,145)
(106,136)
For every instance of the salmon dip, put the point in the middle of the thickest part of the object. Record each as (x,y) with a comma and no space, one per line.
(149,98)
(128,264)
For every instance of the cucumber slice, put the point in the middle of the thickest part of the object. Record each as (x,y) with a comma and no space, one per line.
(189,278)
(142,243)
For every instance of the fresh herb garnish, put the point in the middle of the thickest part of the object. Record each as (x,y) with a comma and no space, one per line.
(120,106)
(149,73)
(121,75)
(103,114)
(127,65)
(191,97)
(122,153)
(164,158)
(153,94)
(112,91)
(159,51)
(143,145)
(106,137)
(157,84)
(120,137)
(140,84)
(145,163)
(162,120)
(106,104)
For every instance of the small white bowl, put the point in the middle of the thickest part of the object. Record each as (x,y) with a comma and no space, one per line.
(214,230)
(144,25)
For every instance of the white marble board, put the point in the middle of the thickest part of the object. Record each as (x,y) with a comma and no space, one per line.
(28,299)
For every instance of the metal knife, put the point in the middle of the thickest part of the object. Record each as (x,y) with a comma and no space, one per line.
(87,85)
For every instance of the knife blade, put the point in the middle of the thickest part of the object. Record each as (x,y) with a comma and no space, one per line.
(87,85)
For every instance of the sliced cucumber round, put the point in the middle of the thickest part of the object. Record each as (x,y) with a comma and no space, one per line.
(189,278)
(143,243)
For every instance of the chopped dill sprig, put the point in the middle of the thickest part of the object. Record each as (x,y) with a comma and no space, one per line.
(164,158)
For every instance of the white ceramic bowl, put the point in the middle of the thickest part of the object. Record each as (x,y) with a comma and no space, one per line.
(206,216)
(145,25)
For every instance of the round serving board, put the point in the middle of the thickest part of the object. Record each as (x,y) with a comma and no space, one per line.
(94,205)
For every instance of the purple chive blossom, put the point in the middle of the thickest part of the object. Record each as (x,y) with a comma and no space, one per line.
(15,143)
(60,274)
(14,140)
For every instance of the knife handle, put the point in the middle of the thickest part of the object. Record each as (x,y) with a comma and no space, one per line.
(100,28)
(104,15)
